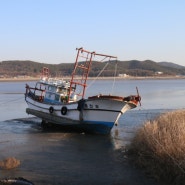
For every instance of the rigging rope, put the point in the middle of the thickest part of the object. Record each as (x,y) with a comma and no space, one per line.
(98,75)
(2,103)
(115,71)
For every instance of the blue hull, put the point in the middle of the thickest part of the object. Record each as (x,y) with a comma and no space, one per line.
(71,125)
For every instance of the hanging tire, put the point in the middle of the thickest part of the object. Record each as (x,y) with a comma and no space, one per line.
(64,110)
(51,109)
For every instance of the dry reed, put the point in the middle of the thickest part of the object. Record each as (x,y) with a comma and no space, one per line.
(159,147)
(9,163)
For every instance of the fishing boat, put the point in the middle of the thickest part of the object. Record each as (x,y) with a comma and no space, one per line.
(64,103)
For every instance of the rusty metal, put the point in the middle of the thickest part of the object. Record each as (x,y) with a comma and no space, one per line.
(85,69)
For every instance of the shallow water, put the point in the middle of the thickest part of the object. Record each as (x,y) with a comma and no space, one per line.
(59,157)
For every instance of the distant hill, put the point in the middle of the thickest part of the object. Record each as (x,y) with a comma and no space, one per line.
(170,64)
(132,67)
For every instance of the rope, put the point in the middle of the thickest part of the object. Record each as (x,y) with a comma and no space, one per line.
(11,93)
(115,71)
(98,75)
(11,101)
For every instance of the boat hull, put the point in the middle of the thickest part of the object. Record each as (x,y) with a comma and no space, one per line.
(72,125)
(97,115)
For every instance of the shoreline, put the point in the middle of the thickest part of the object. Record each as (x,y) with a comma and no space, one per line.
(100,78)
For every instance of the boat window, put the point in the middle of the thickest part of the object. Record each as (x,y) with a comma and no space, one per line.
(62,90)
(57,97)
(51,88)
(59,89)
(41,86)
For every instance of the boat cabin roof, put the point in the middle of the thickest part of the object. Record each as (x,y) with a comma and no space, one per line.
(54,85)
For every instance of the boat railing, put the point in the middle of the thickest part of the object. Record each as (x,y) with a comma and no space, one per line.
(34,88)
(31,92)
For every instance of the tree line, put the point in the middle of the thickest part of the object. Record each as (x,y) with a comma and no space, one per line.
(114,68)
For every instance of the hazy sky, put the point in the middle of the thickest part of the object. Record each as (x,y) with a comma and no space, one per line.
(49,31)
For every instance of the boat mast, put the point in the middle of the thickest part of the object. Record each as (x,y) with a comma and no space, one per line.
(45,73)
(83,69)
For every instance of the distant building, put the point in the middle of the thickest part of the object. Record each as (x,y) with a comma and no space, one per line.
(123,75)
(158,73)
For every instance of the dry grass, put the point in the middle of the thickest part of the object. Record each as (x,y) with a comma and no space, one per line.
(159,147)
(9,163)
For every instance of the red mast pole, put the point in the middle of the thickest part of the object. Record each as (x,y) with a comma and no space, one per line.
(85,70)
(75,66)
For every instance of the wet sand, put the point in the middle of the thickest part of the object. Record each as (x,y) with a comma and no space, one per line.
(50,157)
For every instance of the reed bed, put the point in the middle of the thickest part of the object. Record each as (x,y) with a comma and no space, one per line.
(159,147)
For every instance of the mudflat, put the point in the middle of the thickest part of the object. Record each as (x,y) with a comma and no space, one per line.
(49,157)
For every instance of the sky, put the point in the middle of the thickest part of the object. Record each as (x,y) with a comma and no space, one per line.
(49,31)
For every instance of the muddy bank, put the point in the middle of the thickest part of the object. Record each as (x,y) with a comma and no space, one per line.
(57,157)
